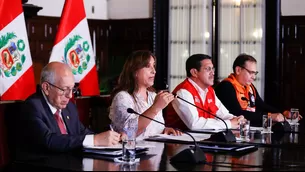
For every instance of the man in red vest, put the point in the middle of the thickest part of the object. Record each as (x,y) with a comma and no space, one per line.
(196,89)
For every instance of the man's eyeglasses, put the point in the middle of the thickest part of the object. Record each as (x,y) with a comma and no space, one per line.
(64,91)
(249,71)
(209,69)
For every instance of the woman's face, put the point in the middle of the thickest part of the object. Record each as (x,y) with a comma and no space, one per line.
(145,77)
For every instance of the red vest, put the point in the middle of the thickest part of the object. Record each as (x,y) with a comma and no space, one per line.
(172,119)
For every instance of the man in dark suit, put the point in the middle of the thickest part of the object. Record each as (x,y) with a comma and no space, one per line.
(50,121)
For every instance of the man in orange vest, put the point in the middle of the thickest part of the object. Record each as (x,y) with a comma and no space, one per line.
(196,89)
(240,96)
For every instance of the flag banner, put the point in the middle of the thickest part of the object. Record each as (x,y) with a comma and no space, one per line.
(73,47)
(17,80)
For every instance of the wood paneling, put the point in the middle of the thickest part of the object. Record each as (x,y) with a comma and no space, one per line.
(293,62)
(115,40)
(4,158)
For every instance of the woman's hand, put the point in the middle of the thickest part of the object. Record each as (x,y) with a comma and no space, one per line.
(171,131)
(162,100)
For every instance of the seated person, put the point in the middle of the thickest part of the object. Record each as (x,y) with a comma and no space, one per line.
(134,90)
(240,96)
(197,90)
(50,120)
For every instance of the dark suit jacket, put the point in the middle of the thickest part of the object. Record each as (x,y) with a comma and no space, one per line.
(40,130)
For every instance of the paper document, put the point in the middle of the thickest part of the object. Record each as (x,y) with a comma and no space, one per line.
(119,146)
(104,152)
(184,137)
(227,148)
(208,130)
(257,128)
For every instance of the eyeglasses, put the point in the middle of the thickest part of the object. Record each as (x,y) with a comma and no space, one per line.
(64,91)
(209,69)
(250,72)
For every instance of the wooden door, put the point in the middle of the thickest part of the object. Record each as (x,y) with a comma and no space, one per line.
(293,62)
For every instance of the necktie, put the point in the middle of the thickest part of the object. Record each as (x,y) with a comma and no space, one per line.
(60,123)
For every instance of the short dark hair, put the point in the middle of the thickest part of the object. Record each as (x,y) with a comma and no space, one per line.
(241,60)
(194,61)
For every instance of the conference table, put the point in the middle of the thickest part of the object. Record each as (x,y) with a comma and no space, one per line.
(274,151)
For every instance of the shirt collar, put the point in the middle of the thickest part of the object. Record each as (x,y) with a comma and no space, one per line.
(53,109)
(199,89)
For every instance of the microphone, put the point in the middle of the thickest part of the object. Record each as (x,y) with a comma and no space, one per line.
(244,99)
(190,155)
(226,136)
(279,126)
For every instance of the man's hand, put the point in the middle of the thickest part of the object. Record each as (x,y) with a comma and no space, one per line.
(278,117)
(108,138)
(234,122)
(172,131)
(241,119)
(286,113)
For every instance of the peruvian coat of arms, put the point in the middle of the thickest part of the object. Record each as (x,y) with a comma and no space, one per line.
(12,55)
(76,54)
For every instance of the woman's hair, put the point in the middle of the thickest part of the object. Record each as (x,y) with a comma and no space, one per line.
(127,79)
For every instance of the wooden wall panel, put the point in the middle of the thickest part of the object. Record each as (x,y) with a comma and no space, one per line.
(293,62)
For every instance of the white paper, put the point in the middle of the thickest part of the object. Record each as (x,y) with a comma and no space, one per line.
(184,137)
(208,130)
(119,146)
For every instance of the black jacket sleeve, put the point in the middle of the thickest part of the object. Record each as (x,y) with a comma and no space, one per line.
(227,95)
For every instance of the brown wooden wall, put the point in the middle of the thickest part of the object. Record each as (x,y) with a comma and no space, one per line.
(293,62)
(115,40)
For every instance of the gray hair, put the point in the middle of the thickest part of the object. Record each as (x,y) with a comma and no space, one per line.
(47,75)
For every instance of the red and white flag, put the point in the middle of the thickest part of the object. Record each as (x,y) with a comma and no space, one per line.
(73,47)
(17,79)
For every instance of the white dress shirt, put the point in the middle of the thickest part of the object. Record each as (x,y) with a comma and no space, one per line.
(89,139)
(189,114)
(119,115)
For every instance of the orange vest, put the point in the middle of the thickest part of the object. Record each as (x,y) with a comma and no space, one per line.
(173,120)
(243,91)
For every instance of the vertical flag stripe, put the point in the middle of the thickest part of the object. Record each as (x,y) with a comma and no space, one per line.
(71,10)
(22,88)
(73,46)
(9,10)
(17,80)
(89,84)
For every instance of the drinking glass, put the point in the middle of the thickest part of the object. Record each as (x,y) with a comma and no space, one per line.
(293,116)
(244,129)
(267,123)
(129,142)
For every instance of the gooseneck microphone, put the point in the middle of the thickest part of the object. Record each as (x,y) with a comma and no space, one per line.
(190,155)
(244,99)
(226,136)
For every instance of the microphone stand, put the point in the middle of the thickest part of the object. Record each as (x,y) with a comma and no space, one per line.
(195,155)
(226,136)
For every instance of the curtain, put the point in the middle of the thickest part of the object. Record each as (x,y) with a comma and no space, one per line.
(190,32)
(241,30)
